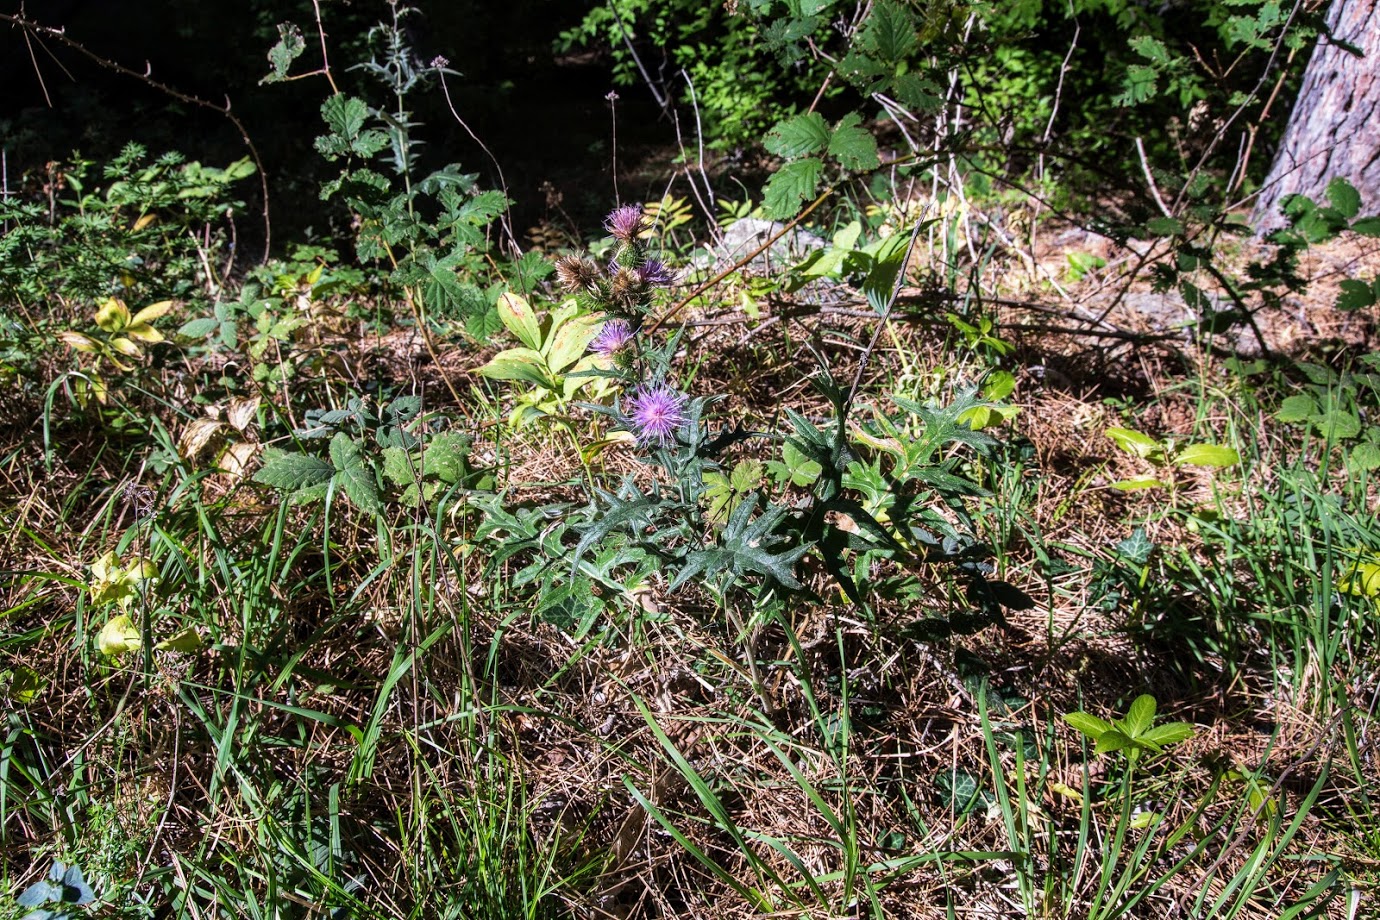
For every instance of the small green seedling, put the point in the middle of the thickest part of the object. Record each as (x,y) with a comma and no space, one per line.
(1133,734)
(1167,454)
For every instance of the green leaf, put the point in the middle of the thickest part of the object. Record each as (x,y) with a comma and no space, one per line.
(1367,226)
(292,471)
(1138,87)
(447,456)
(1164,226)
(198,328)
(889,33)
(517,314)
(184,640)
(790,186)
(1110,741)
(1139,483)
(1364,457)
(1134,442)
(346,117)
(1213,455)
(1166,734)
(852,145)
(289,47)
(1336,424)
(1297,408)
(569,343)
(798,136)
(1140,716)
(518,364)
(22,684)
(1089,725)
(917,92)
(1344,197)
(1355,295)
(356,475)
(397,467)
(1150,48)
(118,636)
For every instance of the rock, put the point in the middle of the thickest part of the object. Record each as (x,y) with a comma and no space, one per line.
(745,235)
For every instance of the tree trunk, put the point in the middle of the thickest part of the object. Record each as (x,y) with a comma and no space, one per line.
(1334,130)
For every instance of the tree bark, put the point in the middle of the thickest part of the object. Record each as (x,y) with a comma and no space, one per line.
(1334,129)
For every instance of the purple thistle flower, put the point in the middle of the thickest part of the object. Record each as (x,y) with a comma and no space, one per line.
(625,223)
(655,273)
(655,411)
(613,337)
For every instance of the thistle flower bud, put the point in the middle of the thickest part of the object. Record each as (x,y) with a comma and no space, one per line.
(576,274)
(655,273)
(625,223)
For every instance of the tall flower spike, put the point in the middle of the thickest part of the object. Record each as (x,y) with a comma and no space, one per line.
(655,411)
(625,223)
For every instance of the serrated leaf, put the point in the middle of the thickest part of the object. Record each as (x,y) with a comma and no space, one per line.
(447,456)
(397,467)
(798,136)
(1336,424)
(1355,295)
(292,471)
(1344,197)
(290,46)
(790,186)
(1296,408)
(356,475)
(918,93)
(1364,457)
(1212,455)
(198,328)
(1139,85)
(1367,226)
(889,32)
(852,145)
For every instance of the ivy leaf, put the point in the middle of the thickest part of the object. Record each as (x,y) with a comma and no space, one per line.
(798,136)
(791,185)
(291,471)
(356,475)
(852,146)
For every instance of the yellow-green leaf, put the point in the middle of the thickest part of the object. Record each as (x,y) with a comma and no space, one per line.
(186,640)
(112,315)
(516,313)
(1213,455)
(118,636)
(152,312)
